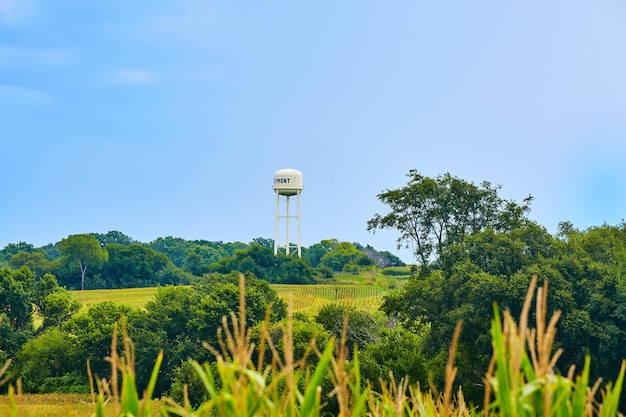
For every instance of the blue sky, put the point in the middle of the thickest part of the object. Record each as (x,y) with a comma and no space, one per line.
(171,117)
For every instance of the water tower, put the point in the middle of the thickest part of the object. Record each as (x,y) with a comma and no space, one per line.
(287,182)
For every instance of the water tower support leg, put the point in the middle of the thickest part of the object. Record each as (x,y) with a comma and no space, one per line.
(299,247)
(276,225)
(287,218)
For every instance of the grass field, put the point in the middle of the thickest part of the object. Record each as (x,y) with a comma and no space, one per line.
(60,405)
(364,292)
(131,297)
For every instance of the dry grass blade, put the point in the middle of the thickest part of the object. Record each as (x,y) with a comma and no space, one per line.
(3,371)
(339,375)
(451,371)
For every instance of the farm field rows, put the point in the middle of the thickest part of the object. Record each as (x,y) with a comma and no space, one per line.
(310,298)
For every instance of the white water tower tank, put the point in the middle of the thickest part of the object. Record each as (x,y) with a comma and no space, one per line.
(288,181)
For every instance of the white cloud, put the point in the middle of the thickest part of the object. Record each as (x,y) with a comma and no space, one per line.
(134,76)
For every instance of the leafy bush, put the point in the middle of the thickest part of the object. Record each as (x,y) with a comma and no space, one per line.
(398,271)
(323,271)
(66,384)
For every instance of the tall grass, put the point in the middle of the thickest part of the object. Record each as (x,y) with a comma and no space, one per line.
(249,380)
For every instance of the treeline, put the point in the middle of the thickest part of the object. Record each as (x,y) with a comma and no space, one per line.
(115,260)
(52,357)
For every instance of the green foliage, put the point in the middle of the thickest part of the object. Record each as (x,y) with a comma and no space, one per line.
(66,384)
(187,385)
(53,354)
(362,328)
(113,237)
(396,352)
(17,296)
(45,286)
(91,332)
(171,261)
(55,304)
(11,339)
(331,255)
(133,265)
(582,268)
(125,400)
(324,272)
(381,259)
(403,271)
(305,337)
(262,263)
(13,249)
(57,307)
(314,253)
(85,250)
(433,213)
(179,319)
(522,380)
(343,254)
(179,250)
(174,248)
(35,261)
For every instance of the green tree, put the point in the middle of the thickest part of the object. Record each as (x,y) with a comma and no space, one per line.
(432,213)
(583,269)
(57,307)
(113,238)
(11,339)
(343,254)
(305,334)
(199,258)
(195,265)
(265,242)
(179,319)
(174,248)
(262,263)
(396,351)
(293,270)
(46,361)
(314,253)
(381,259)
(14,248)
(36,261)
(132,265)
(44,287)
(362,329)
(179,250)
(17,298)
(92,332)
(17,295)
(85,250)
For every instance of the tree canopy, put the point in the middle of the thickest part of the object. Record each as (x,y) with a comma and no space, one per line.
(433,213)
(85,250)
